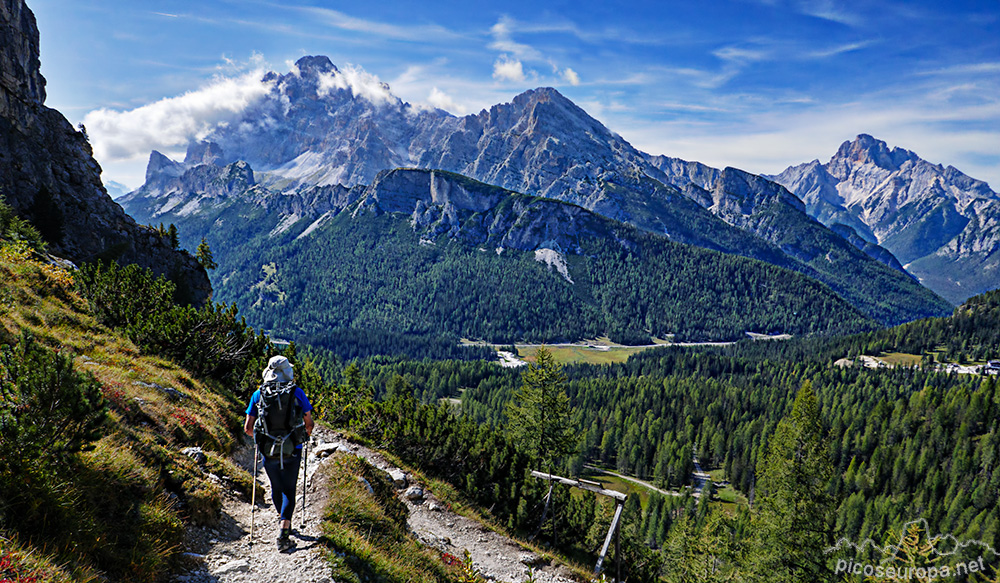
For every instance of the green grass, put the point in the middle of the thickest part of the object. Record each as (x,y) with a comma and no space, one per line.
(901,359)
(60,516)
(367,533)
(584,354)
(727,498)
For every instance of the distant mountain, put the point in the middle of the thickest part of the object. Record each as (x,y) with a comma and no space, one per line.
(49,177)
(116,189)
(421,252)
(315,128)
(942,225)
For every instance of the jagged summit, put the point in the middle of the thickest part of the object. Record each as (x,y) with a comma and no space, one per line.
(943,225)
(866,149)
(312,65)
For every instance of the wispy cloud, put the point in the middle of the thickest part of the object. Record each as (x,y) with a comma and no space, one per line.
(359,82)
(344,21)
(442,100)
(839,49)
(741,55)
(503,41)
(829,10)
(967,69)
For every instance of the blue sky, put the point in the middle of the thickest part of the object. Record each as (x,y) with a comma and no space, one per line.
(756,84)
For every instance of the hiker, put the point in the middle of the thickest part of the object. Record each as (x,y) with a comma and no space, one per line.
(280,420)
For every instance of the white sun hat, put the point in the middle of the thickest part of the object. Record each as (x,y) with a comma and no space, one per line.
(278,369)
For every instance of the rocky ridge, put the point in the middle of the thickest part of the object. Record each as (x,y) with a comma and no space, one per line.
(943,226)
(48,174)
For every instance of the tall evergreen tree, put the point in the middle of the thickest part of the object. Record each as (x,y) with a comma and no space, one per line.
(539,417)
(172,235)
(794,515)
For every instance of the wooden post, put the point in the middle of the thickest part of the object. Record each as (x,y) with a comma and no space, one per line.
(614,530)
(618,550)
(619,506)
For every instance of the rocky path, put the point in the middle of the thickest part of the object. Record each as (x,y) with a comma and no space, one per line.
(223,555)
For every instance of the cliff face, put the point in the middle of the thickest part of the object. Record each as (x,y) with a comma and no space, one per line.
(49,176)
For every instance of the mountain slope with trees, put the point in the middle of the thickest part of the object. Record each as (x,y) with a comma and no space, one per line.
(433,254)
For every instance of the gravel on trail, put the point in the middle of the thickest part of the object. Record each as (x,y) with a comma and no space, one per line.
(222,554)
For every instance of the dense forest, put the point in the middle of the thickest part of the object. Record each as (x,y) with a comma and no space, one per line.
(902,443)
(373,273)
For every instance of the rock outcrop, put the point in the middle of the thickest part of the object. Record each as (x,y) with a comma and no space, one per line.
(49,176)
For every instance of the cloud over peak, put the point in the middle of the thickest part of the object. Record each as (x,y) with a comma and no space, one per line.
(173,122)
(359,82)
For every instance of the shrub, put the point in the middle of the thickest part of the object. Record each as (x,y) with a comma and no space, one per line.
(47,409)
(211,342)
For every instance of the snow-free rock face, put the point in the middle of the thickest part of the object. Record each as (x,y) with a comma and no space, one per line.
(941,224)
(49,176)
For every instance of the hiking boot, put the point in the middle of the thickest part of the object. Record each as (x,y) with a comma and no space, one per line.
(284,540)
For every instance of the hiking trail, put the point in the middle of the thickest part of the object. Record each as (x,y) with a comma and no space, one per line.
(221,554)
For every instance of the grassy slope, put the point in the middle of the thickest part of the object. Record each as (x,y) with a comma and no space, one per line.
(154,410)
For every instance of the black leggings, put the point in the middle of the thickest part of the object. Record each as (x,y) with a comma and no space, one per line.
(283,483)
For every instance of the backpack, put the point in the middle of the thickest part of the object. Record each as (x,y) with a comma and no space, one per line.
(279,426)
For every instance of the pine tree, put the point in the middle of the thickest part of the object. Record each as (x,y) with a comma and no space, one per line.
(172,236)
(539,417)
(793,519)
(204,255)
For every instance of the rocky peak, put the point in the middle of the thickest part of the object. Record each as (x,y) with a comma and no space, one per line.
(314,65)
(548,110)
(238,176)
(868,150)
(159,164)
(750,191)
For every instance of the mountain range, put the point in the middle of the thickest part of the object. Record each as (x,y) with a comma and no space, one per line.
(314,132)
(943,225)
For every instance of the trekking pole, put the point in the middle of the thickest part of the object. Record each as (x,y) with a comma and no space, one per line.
(253,496)
(305,478)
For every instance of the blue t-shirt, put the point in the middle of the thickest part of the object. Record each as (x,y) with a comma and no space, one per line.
(300,395)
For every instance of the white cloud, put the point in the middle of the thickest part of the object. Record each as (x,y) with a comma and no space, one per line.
(442,100)
(828,10)
(507,69)
(360,82)
(741,55)
(839,50)
(174,121)
(571,76)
